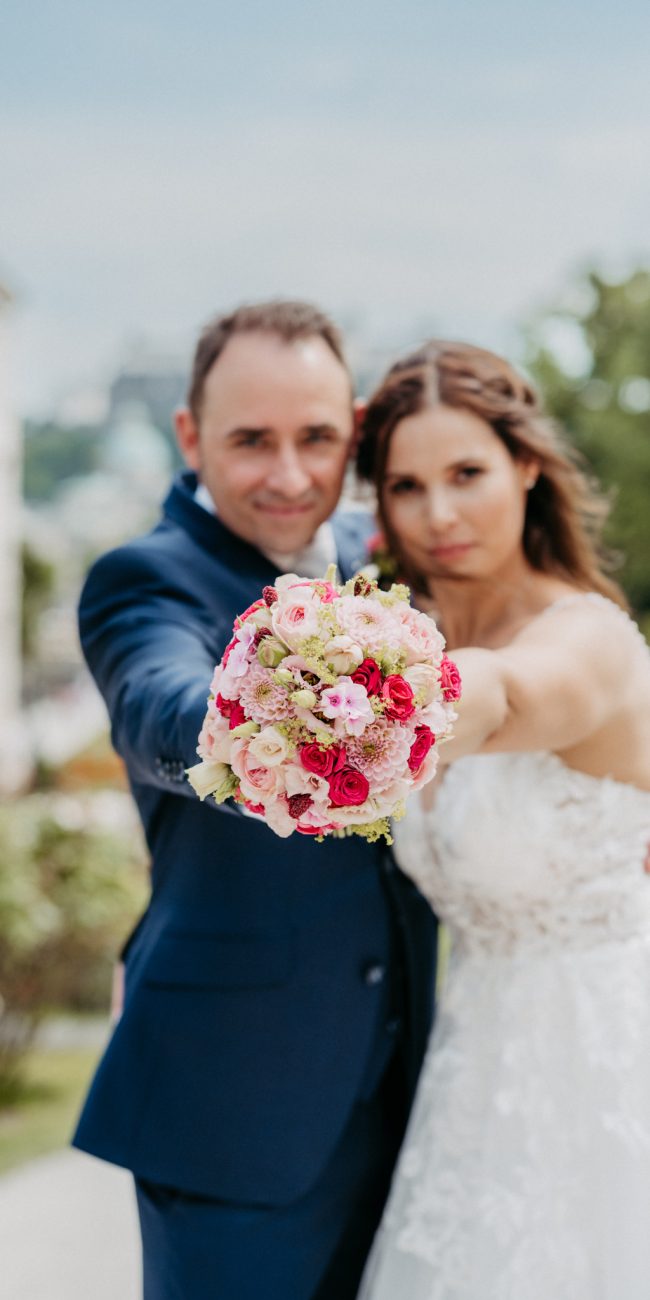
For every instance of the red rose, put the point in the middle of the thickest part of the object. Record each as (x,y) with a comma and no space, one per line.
(236,715)
(398,698)
(226,654)
(424,739)
(368,674)
(317,830)
(257,604)
(349,786)
(323,760)
(224,706)
(450,679)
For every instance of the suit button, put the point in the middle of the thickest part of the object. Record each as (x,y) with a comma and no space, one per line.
(374,973)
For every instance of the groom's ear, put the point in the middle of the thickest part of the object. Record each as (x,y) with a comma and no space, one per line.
(187,436)
(359,408)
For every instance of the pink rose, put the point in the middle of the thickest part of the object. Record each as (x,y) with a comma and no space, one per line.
(368,674)
(418,635)
(257,808)
(449,679)
(398,697)
(427,771)
(254,778)
(322,760)
(424,739)
(316,821)
(348,787)
(294,618)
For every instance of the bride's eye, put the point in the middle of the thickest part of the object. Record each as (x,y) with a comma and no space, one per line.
(467,472)
(402,486)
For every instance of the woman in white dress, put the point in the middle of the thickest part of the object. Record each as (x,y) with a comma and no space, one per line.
(525,1173)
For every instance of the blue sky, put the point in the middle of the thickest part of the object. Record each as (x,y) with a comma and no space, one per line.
(417,166)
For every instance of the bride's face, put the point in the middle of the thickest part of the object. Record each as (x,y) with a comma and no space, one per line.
(453,494)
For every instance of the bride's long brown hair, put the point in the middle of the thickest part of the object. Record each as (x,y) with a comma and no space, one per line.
(565,513)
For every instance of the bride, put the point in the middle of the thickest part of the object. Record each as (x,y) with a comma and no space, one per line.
(525,1173)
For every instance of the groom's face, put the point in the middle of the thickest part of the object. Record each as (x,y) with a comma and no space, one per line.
(273,437)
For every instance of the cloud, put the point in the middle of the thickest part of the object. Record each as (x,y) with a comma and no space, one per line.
(151,221)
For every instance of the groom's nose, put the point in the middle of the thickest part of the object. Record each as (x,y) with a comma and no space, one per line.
(287,475)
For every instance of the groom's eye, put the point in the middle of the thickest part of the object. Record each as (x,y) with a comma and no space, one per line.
(320,433)
(248,438)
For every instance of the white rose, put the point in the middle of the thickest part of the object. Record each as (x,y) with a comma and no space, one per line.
(439,716)
(343,654)
(423,680)
(270,747)
(206,778)
(299,781)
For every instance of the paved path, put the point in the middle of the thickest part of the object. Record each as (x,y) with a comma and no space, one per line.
(68,1231)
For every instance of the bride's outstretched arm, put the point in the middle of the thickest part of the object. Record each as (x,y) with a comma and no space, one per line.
(557,683)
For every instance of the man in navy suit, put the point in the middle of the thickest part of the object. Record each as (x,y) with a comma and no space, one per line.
(278,992)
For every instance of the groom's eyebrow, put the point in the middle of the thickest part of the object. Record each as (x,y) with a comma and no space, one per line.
(248,431)
(260,431)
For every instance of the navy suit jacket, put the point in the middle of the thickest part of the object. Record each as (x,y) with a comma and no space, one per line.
(262,982)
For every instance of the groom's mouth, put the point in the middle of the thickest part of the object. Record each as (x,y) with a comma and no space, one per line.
(286,509)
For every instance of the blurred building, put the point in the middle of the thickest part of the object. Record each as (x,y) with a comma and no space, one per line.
(14,752)
(150,379)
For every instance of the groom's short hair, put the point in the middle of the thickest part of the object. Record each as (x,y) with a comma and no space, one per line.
(289,319)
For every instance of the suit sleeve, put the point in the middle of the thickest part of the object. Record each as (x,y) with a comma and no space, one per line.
(147,648)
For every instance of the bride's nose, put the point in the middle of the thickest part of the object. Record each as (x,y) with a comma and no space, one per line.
(440,509)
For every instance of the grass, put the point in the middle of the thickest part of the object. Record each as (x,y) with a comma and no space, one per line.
(43,1115)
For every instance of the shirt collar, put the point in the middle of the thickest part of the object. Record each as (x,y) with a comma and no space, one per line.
(310,561)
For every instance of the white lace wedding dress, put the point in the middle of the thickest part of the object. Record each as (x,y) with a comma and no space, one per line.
(525,1173)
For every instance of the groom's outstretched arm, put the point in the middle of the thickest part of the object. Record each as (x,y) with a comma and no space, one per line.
(146,643)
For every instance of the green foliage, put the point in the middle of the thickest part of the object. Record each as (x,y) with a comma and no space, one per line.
(38,1111)
(69,890)
(38,585)
(604,403)
(52,453)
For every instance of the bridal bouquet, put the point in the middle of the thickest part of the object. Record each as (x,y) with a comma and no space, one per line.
(325,710)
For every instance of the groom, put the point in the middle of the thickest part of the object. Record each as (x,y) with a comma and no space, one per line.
(278,992)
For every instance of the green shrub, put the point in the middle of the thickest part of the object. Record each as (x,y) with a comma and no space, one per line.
(72,880)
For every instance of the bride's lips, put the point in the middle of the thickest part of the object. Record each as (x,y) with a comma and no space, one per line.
(452,551)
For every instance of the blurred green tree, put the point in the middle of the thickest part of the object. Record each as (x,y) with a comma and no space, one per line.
(52,453)
(590,356)
(38,586)
(71,885)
